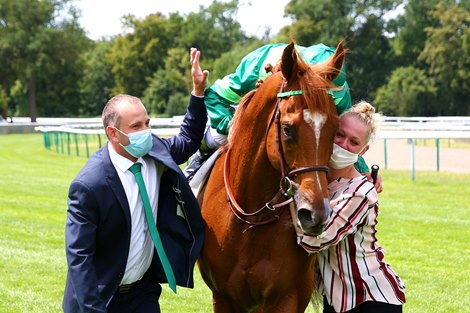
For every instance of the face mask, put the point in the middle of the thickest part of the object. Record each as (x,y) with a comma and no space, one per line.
(341,158)
(140,143)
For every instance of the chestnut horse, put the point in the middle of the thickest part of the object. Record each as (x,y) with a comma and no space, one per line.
(279,145)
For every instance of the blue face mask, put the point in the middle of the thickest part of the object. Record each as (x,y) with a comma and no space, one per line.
(140,143)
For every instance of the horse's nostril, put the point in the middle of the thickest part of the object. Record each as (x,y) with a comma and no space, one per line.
(308,223)
(305,215)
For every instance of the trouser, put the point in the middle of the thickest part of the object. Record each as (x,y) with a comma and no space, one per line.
(141,297)
(367,307)
(213,139)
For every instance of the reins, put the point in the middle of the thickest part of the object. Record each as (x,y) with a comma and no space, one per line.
(286,189)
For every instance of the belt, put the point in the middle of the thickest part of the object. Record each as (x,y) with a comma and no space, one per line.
(129,287)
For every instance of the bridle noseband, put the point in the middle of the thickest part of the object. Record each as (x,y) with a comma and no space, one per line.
(286,188)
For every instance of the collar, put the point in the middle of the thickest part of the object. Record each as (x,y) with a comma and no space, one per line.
(120,162)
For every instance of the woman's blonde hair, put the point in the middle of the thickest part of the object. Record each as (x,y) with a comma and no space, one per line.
(365,113)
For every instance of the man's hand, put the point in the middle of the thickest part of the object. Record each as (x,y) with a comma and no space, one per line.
(199,76)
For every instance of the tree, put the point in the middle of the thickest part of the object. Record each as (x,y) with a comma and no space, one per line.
(40,44)
(177,104)
(137,55)
(214,30)
(371,59)
(3,103)
(152,62)
(360,24)
(171,80)
(329,21)
(97,81)
(23,27)
(447,51)
(410,31)
(408,92)
(58,81)
(18,98)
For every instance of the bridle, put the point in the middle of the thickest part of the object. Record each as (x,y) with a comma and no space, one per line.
(286,189)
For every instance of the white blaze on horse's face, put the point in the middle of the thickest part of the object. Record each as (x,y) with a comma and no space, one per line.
(316,121)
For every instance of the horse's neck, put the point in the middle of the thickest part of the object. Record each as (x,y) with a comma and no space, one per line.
(254,181)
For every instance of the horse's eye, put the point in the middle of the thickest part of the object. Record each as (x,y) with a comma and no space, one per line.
(288,131)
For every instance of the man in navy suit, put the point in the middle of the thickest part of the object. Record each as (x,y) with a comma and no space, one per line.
(112,262)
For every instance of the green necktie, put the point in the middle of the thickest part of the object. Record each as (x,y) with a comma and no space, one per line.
(135,169)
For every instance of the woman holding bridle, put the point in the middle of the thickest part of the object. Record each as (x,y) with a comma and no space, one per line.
(353,274)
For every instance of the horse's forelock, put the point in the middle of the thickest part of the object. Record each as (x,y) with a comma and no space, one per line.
(315,85)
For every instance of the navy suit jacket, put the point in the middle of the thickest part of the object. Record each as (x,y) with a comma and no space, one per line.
(98,225)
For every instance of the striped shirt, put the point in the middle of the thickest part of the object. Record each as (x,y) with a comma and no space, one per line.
(350,261)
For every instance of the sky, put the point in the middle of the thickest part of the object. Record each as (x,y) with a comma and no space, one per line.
(102,18)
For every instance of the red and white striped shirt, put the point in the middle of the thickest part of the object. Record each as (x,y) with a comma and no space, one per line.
(351,263)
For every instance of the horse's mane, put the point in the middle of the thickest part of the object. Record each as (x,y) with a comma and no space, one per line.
(236,124)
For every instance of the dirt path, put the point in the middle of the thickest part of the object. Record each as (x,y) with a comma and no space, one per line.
(399,156)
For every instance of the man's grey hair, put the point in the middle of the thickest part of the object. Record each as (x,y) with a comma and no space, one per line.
(110,115)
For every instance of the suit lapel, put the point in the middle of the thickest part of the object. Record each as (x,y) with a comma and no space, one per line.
(160,154)
(115,184)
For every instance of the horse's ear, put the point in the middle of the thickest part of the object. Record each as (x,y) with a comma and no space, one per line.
(336,62)
(289,62)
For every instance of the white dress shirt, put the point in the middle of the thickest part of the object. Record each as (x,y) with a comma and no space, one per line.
(141,246)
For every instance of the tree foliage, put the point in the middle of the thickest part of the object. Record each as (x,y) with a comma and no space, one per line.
(97,81)
(434,38)
(447,52)
(410,31)
(152,60)
(410,61)
(361,27)
(168,81)
(409,92)
(137,55)
(371,59)
(329,21)
(213,29)
(3,103)
(41,50)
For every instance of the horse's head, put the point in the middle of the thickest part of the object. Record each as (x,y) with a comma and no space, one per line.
(300,139)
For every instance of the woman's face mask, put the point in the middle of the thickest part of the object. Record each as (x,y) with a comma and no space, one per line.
(140,143)
(341,158)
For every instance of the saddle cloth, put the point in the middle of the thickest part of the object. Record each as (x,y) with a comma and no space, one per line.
(202,173)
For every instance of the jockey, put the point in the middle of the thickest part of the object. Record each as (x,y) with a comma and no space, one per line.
(223,96)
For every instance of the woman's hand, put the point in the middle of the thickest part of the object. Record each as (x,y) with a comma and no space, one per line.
(378,181)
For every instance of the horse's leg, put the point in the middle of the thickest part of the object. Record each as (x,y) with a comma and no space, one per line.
(223,304)
(286,304)
(298,288)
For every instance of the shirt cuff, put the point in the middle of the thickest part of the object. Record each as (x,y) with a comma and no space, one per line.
(196,96)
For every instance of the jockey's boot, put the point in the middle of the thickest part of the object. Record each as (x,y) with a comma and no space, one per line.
(197,160)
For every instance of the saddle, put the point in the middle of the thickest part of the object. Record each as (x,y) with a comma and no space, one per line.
(201,175)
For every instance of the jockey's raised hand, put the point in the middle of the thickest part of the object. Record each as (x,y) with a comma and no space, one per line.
(199,76)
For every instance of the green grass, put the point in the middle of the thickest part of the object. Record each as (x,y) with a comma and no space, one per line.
(423,226)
